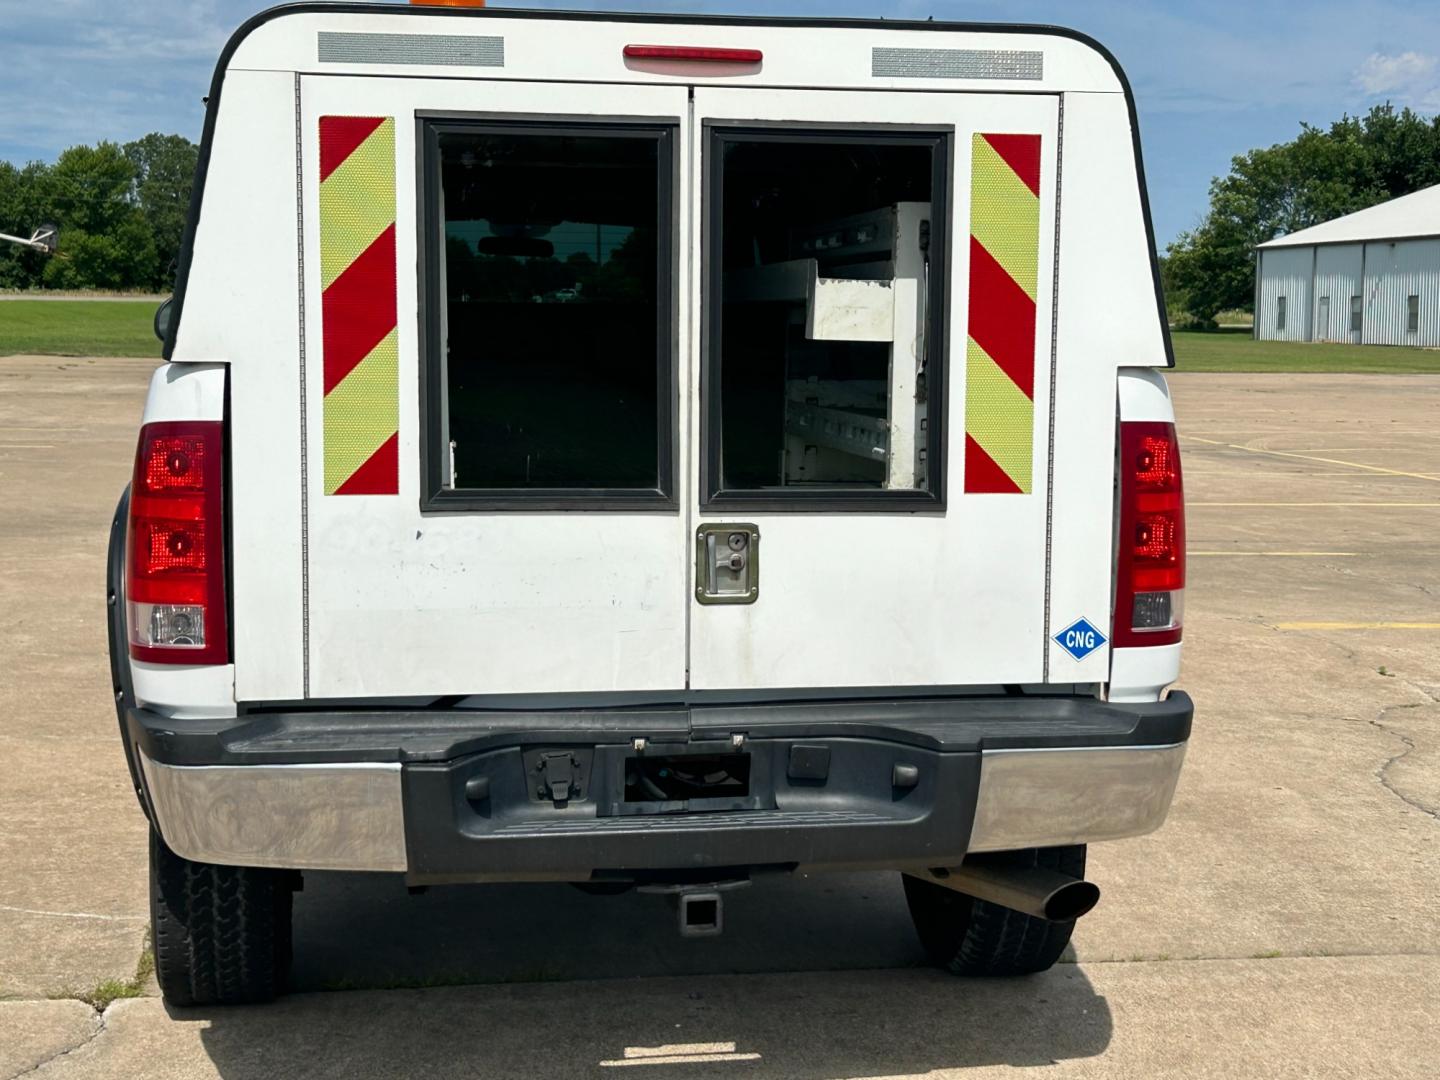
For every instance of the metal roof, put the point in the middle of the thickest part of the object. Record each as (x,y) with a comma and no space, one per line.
(1416,214)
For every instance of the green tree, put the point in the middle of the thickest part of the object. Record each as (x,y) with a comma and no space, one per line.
(90,188)
(123,258)
(22,209)
(164,172)
(1319,175)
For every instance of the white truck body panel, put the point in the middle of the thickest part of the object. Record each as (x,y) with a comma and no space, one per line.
(870,599)
(372,598)
(408,603)
(537,47)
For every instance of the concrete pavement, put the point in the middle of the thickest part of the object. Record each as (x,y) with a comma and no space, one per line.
(1282,924)
(1356,1017)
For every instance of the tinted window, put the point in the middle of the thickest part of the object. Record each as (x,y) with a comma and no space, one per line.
(553,338)
(823,313)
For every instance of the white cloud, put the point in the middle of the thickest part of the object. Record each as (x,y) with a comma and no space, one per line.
(1408,78)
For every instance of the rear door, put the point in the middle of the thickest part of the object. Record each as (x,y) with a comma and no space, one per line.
(874,361)
(492,486)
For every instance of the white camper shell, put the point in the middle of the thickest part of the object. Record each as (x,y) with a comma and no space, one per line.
(641,449)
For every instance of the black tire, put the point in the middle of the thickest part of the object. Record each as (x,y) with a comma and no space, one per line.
(221,934)
(966,936)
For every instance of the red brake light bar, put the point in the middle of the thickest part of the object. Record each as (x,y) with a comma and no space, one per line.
(696,53)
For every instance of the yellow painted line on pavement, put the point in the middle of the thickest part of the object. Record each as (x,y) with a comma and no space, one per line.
(1358,626)
(1312,457)
(1282,554)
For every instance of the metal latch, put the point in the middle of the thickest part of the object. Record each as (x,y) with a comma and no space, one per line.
(727,563)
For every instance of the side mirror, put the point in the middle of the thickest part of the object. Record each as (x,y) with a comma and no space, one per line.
(162,319)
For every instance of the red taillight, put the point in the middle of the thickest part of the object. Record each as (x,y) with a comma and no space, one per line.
(175,548)
(175,463)
(1150,577)
(695,53)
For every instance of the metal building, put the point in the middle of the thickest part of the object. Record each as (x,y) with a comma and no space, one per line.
(1371,277)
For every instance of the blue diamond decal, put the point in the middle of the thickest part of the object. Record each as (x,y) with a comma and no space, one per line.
(1080,639)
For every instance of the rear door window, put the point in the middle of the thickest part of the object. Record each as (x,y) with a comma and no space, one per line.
(548,315)
(823,368)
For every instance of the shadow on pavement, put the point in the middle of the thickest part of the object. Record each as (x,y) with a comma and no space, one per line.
(358,931)
(809,1026)
(585,985)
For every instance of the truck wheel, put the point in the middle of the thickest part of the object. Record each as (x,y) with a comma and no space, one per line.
(967,936)
(221,934)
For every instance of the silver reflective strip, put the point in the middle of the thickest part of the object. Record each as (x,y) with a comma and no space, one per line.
(455,50)
(957,63)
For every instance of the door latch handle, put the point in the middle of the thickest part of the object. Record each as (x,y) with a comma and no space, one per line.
(727,563)
(733,560)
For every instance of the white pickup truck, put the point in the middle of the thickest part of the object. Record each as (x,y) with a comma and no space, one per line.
(652,452)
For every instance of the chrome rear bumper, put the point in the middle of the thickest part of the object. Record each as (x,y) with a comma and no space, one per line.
(353,816)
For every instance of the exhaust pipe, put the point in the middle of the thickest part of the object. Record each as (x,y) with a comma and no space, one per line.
(1033,890)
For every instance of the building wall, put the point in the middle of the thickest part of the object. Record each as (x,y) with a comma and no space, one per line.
(1338,270)
(1393,273)
(1285,273)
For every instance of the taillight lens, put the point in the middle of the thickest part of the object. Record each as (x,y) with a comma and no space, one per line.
(175,561)
(1150,578)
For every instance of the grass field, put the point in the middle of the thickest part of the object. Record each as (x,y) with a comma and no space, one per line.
(1235,350)
(78,328)
(123,328)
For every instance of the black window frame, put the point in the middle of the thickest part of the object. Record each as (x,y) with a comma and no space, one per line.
(941,140)
(1412,313)
(1357,315)
(434,496)
(1280,306)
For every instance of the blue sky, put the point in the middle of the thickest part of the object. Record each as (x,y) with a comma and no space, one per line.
(1212,78)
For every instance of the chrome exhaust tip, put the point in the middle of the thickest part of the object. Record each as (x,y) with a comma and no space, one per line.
(1033,890)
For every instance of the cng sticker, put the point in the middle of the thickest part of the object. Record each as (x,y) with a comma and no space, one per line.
(1080,639)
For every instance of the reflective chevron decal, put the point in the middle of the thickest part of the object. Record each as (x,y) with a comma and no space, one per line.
(358,306)
(1000,349)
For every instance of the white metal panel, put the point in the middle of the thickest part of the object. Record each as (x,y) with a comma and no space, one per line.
(1107,292)
(241,306)
(460,603)
(1144,395)
(897,599)
(591,50)
(1337,276)
(185,392)
(1287,273)
(1393,273)
(184,690)
(1106,318)
(1142,674)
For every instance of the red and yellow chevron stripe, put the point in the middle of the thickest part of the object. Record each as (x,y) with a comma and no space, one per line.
(358,305)
(1000,350)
